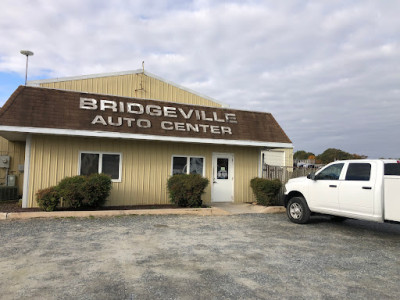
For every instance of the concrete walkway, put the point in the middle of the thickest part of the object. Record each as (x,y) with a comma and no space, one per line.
(216,209)
(247,208)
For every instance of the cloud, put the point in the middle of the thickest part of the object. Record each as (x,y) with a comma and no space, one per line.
(328,71)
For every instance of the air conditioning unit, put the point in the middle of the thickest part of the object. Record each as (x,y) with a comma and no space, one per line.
(8,193)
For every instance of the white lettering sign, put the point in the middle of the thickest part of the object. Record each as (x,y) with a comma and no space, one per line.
(88,103)
(158,111)
(106,104)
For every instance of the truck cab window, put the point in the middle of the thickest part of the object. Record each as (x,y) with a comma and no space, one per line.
(330,173)
(359,172)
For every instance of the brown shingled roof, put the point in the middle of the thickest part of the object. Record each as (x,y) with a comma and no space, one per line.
(58,109)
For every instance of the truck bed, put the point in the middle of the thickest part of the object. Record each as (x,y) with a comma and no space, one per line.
(391,198)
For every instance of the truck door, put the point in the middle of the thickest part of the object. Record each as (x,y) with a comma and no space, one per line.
(356,192)
(324,190)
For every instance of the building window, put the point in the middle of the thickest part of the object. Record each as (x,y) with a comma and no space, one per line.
(222,168)
(187,165)
(98,162)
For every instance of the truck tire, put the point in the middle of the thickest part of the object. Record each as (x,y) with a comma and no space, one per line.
(297,210)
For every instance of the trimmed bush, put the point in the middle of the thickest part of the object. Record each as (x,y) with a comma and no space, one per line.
(185,190)
(96,190)
(48,198)
(85,191)
(77,191)
(71,189)
(266,191)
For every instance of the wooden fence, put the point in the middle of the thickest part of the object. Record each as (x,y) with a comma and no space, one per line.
(284,174)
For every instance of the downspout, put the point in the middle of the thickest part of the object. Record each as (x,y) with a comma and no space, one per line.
(25,191)
(260,163)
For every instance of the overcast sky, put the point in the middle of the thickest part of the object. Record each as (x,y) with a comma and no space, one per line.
(329,71)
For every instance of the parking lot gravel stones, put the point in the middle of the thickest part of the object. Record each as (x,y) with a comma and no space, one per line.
(252,256)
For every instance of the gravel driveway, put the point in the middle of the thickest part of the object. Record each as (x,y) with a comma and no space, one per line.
(254,256)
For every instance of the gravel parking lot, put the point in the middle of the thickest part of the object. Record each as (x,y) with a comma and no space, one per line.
(254,256)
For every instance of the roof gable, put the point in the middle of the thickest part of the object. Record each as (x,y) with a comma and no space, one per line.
(60,83)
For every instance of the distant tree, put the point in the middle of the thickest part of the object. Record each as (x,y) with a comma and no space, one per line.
(301,155)
(332,154)
(356,156)
(318,161)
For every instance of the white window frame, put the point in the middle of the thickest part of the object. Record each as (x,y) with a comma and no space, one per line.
(100,167)
(188,157)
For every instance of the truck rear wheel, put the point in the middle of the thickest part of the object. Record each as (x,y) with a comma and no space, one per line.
(297,210)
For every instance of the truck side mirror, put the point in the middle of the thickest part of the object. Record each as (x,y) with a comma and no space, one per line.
(311,176)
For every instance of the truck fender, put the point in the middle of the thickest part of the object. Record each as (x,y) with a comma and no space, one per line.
(291,195)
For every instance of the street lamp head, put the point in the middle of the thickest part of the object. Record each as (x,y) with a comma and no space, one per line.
(26,52)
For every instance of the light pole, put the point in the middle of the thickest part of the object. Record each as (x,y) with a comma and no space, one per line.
(27,53)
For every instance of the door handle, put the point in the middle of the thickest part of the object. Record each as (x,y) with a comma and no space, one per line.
(333,186)
(367,188)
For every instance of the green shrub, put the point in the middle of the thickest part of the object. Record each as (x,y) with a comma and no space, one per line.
(266,191)
(186,190)
(85,191)
(71,189)
(96,190)
(48,198)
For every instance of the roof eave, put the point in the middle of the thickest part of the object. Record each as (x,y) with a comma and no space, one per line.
(6,131)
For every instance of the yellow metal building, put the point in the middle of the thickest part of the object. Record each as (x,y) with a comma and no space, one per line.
(51,150)
(16,152)
(133,84)
(146,166)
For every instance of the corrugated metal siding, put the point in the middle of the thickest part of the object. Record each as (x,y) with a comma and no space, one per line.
(246,168)
(132,85)
(146,166)
(289,157)
(16,150)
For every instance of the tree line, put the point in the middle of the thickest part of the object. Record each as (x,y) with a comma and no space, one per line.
(329,155)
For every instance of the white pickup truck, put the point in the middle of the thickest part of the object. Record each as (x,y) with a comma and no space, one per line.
(357,189)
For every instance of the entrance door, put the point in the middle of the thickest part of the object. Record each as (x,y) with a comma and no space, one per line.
(222,184)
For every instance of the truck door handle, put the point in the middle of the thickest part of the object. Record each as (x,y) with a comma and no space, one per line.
(367,188)
(333,186)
